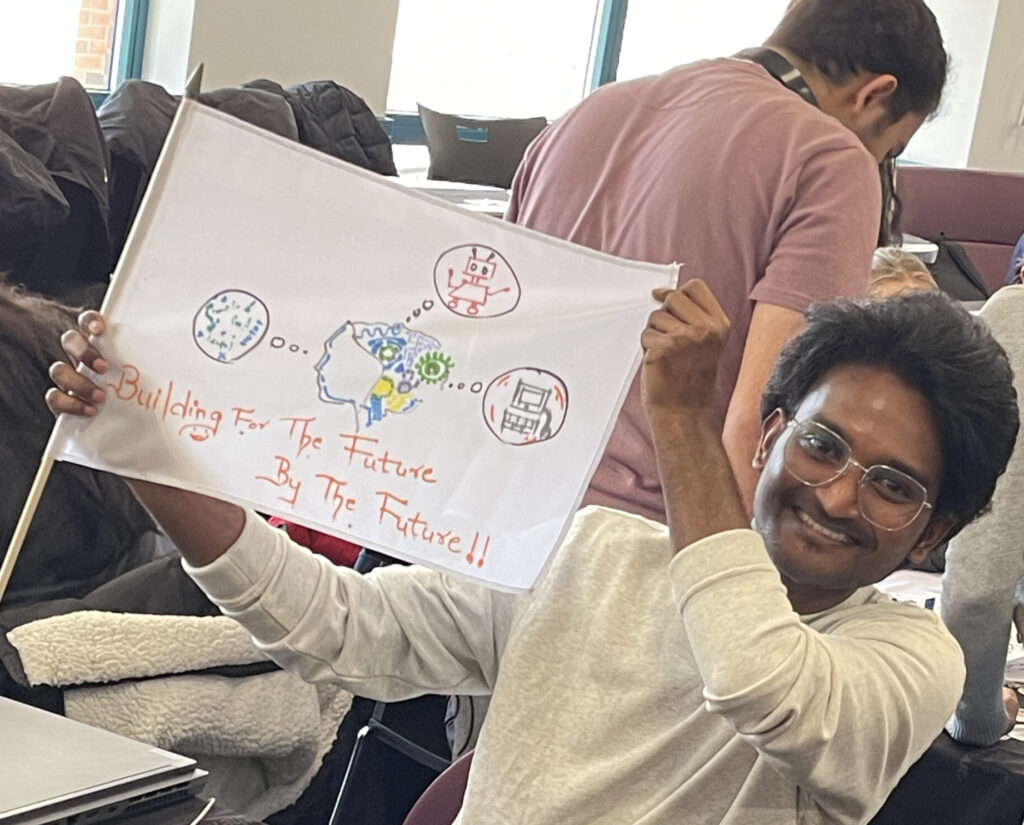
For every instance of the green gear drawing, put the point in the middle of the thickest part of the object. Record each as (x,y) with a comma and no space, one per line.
(388,353)
(433,367)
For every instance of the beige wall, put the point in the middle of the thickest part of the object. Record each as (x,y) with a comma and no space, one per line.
(998,132)
(289,41)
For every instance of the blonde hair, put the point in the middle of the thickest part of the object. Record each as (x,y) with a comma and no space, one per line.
(894,271)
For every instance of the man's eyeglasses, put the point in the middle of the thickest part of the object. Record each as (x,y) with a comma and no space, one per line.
(888,498)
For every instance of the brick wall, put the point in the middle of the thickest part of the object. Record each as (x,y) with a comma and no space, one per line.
(93,48)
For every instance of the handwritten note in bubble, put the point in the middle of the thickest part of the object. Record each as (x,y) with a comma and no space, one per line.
(230,325)
(421,380)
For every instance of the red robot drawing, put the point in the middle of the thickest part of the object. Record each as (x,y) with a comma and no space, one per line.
(473,285)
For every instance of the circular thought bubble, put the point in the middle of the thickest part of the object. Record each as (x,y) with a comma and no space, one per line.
(277,342)
(230,324)
(427,306)
(525,406)
(475,281)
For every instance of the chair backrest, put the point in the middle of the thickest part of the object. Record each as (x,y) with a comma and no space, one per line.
(477,150)
(982,210)
(441,801)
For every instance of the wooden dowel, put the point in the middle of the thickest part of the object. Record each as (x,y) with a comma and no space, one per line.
(28,512)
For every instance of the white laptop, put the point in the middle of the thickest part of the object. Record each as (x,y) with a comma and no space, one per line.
(57,770)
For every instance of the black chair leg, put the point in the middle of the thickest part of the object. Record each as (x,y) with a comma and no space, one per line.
(376,730)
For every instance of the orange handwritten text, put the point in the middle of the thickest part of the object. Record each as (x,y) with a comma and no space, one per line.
(306,441)
(333,491)
(244,415)
(197,422)
(361,450)
(283,478)
(396,512)
(393,509)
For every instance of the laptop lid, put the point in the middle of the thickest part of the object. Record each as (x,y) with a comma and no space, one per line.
(52,767)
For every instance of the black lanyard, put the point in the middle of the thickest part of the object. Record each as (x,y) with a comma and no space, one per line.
(782,70)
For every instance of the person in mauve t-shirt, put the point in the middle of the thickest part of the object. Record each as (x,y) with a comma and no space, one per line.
(773,200)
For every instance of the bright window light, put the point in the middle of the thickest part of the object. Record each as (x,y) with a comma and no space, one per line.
(41,40)
(502,58)
(659,34)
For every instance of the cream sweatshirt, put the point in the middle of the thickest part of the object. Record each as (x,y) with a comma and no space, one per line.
(634,685)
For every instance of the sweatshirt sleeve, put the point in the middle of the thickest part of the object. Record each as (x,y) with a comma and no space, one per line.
(984,563)
(842,713)
(395,633)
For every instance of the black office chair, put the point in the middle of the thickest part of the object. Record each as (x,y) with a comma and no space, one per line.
(388,771)
(484,151)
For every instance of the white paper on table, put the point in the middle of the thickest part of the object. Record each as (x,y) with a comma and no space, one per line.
(294,334)
(918,586)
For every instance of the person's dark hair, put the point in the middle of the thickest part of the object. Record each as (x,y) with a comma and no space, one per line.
(939,349)
(843,37)
(88,522)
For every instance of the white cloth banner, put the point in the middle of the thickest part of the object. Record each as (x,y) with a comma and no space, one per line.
(294,334)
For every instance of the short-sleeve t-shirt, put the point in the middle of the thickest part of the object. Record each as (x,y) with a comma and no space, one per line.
(719,167)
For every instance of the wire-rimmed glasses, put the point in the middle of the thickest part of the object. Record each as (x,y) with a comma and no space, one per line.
(888,498)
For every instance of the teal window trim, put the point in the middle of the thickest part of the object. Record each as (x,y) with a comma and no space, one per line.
(609,42)
(133,40)
(129,44)
(406,127)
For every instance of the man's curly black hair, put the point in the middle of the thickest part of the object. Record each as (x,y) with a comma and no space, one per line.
(935,346)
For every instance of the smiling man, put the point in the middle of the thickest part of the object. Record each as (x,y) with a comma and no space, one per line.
(702,673)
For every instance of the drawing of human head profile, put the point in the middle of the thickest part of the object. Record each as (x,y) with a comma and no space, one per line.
(475,281)
(525,406)
(344,373)
(379,368)
(230,324)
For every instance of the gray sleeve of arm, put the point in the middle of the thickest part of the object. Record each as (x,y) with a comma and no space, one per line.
(983,564)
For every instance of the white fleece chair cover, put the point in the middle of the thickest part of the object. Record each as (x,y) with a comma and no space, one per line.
(261,737)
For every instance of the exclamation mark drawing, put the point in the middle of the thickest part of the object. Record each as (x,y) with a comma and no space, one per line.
(471,555)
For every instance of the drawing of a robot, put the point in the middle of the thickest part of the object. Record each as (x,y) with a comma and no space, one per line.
(472,285)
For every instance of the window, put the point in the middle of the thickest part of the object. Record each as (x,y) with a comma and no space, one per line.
(502,58)
(659,35)
(96,41)
(519,58)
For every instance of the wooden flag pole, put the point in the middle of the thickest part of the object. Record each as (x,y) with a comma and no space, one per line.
(28,512)
(35,492)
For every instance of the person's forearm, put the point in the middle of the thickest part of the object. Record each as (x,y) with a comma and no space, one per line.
(701,496)
(201,527)
(739,440)
(770,328)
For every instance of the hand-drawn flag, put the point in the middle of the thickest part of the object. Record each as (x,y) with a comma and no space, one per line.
(294,334)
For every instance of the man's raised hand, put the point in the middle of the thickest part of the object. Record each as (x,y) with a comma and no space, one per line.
(682,345)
